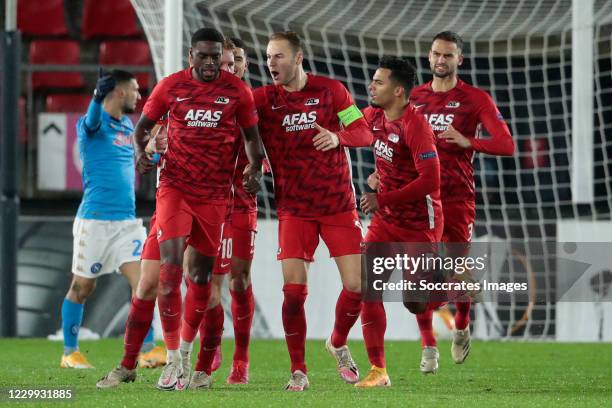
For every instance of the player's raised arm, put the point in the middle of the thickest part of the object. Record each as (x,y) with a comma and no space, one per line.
(105,85)
(500,143)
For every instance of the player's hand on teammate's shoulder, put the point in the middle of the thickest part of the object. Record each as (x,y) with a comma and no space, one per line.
(451,135)
(374,181)
(251,179)
(325,140)
(369,203)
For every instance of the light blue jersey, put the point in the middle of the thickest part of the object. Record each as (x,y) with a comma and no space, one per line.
(109,172)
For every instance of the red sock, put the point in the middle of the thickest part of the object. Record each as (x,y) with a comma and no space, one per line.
(348,308)
(136,329)
(196,303)
(243,307)
(374,325)
(210,334)
(426,328)
(294,323)
(462,315)
(169,302)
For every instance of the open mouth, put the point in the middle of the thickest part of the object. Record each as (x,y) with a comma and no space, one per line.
(275,75)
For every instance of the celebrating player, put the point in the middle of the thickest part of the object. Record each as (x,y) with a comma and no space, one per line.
(107,236)
(456,112)
(306,121)
(406,206)
(205,105)
(235,257)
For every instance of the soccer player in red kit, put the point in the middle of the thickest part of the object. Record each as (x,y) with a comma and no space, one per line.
(406,206)
(306,121)
(205,107)
(235,258)
(456,112)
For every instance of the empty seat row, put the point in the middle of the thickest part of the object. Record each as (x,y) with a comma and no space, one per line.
(67,52)
(100,18)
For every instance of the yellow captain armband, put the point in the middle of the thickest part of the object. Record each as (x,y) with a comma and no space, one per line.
(349,115)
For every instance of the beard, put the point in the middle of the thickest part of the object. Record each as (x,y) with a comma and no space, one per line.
(374,104)
(128,109)
(446,74)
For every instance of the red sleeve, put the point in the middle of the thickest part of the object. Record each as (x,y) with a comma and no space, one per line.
(357,133)
(158,102)
(246,114)
(420,139)
(500,143)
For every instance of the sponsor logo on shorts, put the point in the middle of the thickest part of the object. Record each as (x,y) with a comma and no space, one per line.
(279,251)
(225,265)
(95,268)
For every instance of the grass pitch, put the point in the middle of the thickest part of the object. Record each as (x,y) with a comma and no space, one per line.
(496,374)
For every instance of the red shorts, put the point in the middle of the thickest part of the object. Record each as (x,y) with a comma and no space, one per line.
(380,230)
(244,229)
(181,216)
(459,219)
(299,237)
(150,251)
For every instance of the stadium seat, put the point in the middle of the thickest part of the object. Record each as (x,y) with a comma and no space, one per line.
(67,103)
(127,53)
(63,52)
(115,18)
(35,17)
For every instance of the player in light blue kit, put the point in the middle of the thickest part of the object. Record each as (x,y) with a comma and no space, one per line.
(107,235)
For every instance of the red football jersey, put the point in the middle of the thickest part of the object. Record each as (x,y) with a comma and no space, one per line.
(399,146)
(307,183)
(467,109)
(202,131)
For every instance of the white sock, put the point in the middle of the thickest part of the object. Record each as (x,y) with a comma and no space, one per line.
(173,355)
(186,346)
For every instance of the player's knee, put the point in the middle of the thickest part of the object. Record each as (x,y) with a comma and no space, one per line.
(80,289)
(240,279)
(416,307)
(146,290)
(215,299)
(353,286)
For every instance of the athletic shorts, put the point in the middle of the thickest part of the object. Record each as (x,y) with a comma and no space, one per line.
(380,230)
(178,215)
(101,247)
(150,250)
(459,219)
(299,237)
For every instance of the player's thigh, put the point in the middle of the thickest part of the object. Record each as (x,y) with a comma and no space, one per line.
(458,222)
(295,271)
(131,271)
(342,233)
(149,279)
(297,239)
(206,232)
(215,290)
(174,223)
(350,271)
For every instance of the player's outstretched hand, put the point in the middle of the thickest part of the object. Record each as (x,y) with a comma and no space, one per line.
(374,181)
(451,135)
(369,203)
(144,162)
(106,83)
(251,179)
(325,140)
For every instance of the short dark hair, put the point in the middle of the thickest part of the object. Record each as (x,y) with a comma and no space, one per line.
(449,36)
(402,71)
(291,37)
(121,76)
(239,43)
(207,34)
